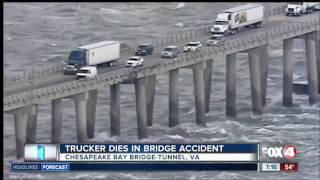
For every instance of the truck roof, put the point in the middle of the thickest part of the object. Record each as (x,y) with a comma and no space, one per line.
(241,8)
(98,44)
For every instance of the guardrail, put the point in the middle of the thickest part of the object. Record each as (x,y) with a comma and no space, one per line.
(276,10)
(172,39)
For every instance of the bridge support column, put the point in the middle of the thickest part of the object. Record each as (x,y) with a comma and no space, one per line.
(20,119)
(91,112)
(312,67)
(115,109)
(32,124)
(56,111)
(318,58)
(150,90)
(287,72)
(255,78)
(173,98)
(141,107)
(264,56)
(198,84)
(231,80)
(207,83)
(81,115)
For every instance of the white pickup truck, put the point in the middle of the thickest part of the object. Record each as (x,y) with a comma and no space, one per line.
(88,72)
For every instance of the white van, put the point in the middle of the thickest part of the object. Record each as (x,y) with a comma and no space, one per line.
(87,72)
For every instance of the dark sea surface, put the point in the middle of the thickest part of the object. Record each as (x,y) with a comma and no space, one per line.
(43,34)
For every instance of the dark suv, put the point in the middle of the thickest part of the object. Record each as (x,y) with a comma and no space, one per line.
(144,49)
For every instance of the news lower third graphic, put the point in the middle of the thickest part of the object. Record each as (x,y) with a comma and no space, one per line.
(123,157)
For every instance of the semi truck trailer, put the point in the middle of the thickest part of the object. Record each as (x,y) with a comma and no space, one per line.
(299,8)
(97,54)
(231,20)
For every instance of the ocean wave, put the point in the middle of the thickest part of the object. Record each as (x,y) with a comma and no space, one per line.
(298,50)
(111,11)
(179,24)
(174,137)
(29,7)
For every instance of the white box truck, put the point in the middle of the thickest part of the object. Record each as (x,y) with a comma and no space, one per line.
(101,53)
(299,8)
(231,20)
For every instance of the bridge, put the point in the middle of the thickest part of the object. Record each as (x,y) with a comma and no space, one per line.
(23,95)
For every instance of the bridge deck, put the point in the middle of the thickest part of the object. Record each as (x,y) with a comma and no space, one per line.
(272,22)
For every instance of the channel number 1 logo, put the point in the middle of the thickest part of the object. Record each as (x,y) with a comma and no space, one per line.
(289,152)
(41,152)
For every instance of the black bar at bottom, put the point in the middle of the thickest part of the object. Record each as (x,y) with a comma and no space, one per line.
(163,166)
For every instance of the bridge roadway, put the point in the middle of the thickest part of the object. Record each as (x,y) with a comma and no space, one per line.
(272,22)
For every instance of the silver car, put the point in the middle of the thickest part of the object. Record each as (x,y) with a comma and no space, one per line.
(170,52)
(216,40)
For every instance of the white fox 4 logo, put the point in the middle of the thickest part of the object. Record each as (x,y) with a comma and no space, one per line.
(288,152)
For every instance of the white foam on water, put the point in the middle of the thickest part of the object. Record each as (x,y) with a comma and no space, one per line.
(180,24)
(49,58)
(298,50)
(29,7)
(174,137)
(297,75)
(278,51)
(27,176)
(86,176)
(312,107)
(180,5)
(111,11)
(223,131)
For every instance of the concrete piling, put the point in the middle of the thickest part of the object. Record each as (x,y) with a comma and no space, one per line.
(312,67)
(115,109)
(198,84)
(231,79)
(207,83)
(20,119)
(264,56)
(150,90)
(141,107)
(81,111)
(287,72)
(255,78)
(91,112)
(318,58)
(32,124)
(173,98)
(56,110)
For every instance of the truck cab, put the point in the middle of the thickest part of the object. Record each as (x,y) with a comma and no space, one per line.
(221,25)
(87,72)
(76,60)
(294,8)
(299,8)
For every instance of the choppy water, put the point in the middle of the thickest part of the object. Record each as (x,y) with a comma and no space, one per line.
(43,33)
